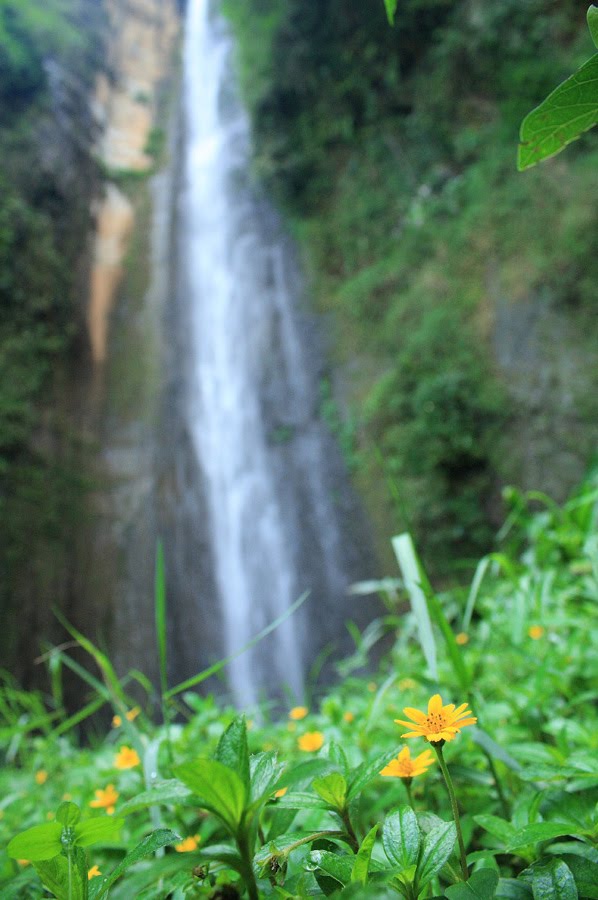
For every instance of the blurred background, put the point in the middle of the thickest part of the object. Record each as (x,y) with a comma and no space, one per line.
(271,291)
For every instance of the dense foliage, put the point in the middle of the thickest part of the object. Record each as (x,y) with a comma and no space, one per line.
(47,173)
(295,805)
(393,151)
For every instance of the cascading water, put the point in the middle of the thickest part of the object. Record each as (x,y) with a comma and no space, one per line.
(272,476)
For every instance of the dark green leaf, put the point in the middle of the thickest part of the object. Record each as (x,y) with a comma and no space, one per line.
(512,889)
(300,800)
(39,842)
(232,750)
(401,837)
(338,867)
(99,887)
(332,789)
(551,880)
(264,773)
(565,114)
(481,886)
(593,23)
(218,787)
(225,854)
(361,866)
(542,831)
(437,848)
(497,827)
(585,874)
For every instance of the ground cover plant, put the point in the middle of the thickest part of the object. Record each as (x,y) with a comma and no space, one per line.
(464,764)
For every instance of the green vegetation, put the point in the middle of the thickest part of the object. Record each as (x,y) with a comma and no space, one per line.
(392,151)
(44,218)
(295,804)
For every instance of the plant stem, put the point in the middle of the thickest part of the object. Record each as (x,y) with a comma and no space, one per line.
(353,842)
(498,785)
(246,856)
(453,798)
(407,783)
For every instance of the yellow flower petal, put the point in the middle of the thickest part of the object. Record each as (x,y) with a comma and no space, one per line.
(416,714)
(435,705)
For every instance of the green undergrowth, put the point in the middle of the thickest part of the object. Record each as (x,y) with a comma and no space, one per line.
(392,151)
(290,803)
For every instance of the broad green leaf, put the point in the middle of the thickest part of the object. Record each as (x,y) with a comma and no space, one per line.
(39,842)
(391,8)
(437,848)
(401,837)
(219,788)
(233,751)
(551,880)
(303,773)
(337,756)
(338,867)
(366,772)
(99,887)
(285,843)
(585,874)
(480,886)
(361,866)
(102,828)
(542,831)
(407,558)
(497,827)
(171,791)
(566,113)
(593,23)
(68,814)
(332,788)
(225,854)
(513,889)
(66,878)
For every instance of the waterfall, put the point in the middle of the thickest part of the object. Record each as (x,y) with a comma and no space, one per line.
(274,483)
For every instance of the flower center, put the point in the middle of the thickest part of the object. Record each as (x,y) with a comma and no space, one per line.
(435,722)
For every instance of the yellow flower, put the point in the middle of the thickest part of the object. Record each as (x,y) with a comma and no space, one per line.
(130,716)
(407,684)
(105,799)
(93,872)
(116,721)
(41,776)
(126,758)
(535,632)
(298,712)
(372,686)
(311,740)
(462,638)
(405,767)
(67,796)
(441,723)
(348,716)
(188,844)
(280,792)
(23,862)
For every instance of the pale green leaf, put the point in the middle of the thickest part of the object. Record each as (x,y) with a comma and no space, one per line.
(39,842)
(99,887)
(401,838)
(332,789)
(219,788)
(361,866)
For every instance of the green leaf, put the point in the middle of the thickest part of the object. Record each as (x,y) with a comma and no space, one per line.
(68,814)
(438,846)
(481,886)
(361,866)
(391,8)
(366,772)
(338,867)
(300,800)
(407,558)
(565,114)
(264,774)
(67,880)
(401,837)
(542,831)
(593,23)
(232,750)
(512,889)
(171,791)
(39,842)
(219,788)
(104,828)
(332,788)
(99,887)
(585,873)
(337,756)
(551,880)
(497,827)
(225,854)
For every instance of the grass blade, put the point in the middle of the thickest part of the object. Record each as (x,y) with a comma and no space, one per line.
(402,545)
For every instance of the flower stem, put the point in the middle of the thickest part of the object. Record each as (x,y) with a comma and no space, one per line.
(453,798)
(407,783)
(353,842)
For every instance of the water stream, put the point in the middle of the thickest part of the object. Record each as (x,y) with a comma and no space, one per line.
(275,485)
